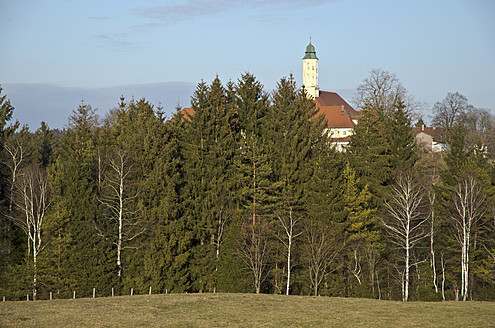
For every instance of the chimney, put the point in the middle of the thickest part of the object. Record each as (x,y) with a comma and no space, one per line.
(342,108)
(422,127)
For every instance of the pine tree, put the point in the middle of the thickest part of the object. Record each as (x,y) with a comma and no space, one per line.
(253,172)
(139,136)
(84,263)
(209,147)
(361,228)
(401,139)
(294,137)
(369,150)
(324,226)
(169,247)
(45,142)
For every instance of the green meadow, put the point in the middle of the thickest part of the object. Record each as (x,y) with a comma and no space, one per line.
(243,310)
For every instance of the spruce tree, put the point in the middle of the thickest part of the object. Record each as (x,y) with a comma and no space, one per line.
(209,147)
(253,172)
(369,150)
(84,263)
(294,136)
(401,140)
(168,252)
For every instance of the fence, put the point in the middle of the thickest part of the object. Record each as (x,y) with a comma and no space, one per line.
(131,293)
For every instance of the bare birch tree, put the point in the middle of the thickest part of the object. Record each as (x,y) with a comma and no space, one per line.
(254,250)
(372,254)
(432,203)
(124,225)
(32,200)
(16,156)
(406,225)
(224,213)
(289,223)
(322,252)
(468,208)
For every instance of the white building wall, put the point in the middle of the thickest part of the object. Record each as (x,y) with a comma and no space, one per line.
(310,77)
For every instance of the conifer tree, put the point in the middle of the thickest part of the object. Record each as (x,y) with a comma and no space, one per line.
(138,135)
(324,227)
(84,261)
(361,227)
(254,170)
(7,128)
(294,136)
(45,141)
(401,139)
(168,254)
(209,150)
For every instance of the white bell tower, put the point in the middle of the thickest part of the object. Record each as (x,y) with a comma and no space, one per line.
(310,72)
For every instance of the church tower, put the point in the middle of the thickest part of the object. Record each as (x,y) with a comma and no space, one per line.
(310,72)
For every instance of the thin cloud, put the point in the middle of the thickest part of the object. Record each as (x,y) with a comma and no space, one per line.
(199,8)
(117,41)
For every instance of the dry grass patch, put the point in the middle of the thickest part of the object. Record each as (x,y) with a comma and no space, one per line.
(243,310)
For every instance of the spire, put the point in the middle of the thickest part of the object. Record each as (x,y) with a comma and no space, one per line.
(310,51)
(310,71)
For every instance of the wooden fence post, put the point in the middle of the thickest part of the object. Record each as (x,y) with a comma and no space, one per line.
(50,296)
(27,297)
(150,291)
(112,292)
(4,298)
(94,292)
(74,297)
(132,291)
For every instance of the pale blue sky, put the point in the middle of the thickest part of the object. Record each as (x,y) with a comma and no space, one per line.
(54,53)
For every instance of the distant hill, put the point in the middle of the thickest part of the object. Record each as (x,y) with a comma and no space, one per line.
(53,104)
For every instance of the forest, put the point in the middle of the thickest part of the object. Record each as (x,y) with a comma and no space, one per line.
(245,193)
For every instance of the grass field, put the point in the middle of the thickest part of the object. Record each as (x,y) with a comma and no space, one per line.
(243,310)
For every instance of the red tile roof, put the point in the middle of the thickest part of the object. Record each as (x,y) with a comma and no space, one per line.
(327,98)
(336,117)
(187,113)
(338,113)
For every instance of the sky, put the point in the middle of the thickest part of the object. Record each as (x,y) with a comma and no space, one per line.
(54,54)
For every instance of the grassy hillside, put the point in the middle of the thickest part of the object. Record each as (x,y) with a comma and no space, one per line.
(243,310)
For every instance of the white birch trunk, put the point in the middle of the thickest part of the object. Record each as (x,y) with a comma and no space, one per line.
(432,198)
(406,225)
(406,282)
(443,277)
(289,246)
(33,202)
(125,223)
(468,202)
(289,223)
(121,217)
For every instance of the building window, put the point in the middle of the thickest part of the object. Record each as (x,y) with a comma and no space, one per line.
(344,132)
